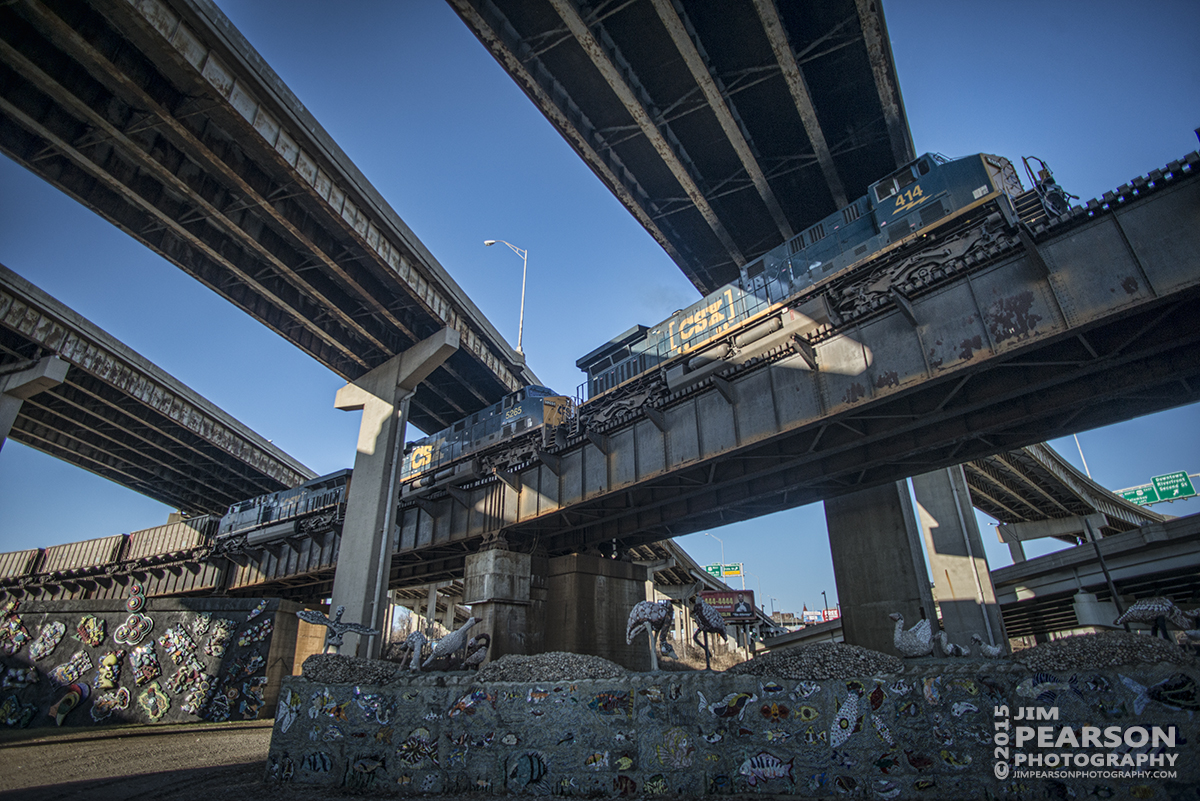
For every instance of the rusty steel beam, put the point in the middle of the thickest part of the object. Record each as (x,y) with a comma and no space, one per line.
(720,104)
(879,50)
(623,83)
(798,88)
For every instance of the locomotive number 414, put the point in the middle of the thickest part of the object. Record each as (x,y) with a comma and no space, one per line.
(908,199)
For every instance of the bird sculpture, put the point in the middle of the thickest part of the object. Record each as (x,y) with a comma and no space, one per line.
(413,645)
(708,621)
(917,641)
(951,648)
(654,618)
(333,638)
(989,651)
(1158,611)
(477,648)
(450,643)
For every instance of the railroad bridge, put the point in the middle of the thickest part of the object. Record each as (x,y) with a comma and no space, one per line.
(1077,325)
(1034,336)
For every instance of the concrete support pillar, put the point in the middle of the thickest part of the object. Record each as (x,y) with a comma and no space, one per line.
(448,618)
(16,387)
(507,594)
(587,608)
(877,564)
(962,582)
(1016,550)
(431,604)
(365,554)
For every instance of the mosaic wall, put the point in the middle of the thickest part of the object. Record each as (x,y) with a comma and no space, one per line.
(84,663)
(926,735)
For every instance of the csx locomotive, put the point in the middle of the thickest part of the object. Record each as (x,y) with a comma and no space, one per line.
(524,410)
(314,507)
(925,195)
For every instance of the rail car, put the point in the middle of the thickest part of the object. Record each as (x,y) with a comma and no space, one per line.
(314,507)
(528,409)
(922,197)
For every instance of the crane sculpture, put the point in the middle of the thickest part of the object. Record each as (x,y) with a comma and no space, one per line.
(450,643)
(333,638)
(413,644)
(477,648)
(708,620)
(917,641)
(988,651)
(654,618)
(1158,611)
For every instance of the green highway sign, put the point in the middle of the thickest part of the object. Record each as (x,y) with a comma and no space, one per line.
(733,570)
(1143,495)
(713,570)
(1173,486)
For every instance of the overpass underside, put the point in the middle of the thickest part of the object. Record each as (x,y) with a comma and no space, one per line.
(724,129)
(123,418)
(1091,324)
(161,118)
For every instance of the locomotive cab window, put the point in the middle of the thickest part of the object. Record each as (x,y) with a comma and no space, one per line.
(885,189)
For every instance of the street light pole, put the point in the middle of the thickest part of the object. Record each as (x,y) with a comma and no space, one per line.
(758,584)
(524,254)
(718,539)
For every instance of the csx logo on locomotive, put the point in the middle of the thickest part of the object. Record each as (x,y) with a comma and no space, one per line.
(711,319)
(422,455)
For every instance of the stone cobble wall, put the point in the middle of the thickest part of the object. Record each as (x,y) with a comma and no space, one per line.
(172,660)
(930,732)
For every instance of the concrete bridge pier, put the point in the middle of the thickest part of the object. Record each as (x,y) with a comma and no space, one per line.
(877,564)
(587,608)
(961,578)
(578,603)
(382,395)
(506,591)
(15,387)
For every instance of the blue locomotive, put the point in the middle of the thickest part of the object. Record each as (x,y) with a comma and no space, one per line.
(524,410)
(316,506)
(920,197)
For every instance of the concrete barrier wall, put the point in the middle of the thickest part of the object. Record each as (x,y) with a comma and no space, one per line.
(927,734)
(209,677)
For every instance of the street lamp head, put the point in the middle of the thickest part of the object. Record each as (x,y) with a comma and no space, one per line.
(489,242)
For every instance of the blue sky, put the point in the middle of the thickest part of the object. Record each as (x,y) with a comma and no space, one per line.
(463,156)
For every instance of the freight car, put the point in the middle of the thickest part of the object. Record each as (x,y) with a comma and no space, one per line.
(927,196)
(431,460)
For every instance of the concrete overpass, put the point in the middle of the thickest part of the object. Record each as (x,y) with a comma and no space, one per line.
(724,129)
(123,418)
(160,117)
(1159,559)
